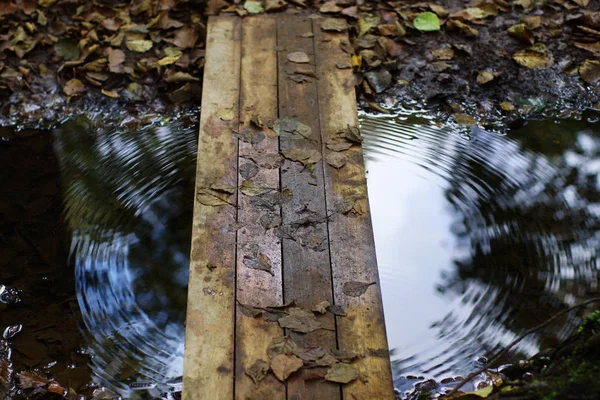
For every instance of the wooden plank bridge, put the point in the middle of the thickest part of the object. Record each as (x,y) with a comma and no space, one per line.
(284,297)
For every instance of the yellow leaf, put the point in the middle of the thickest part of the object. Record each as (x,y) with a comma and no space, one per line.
(139,46)
(110,93)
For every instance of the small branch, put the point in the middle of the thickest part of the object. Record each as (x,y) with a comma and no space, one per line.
(517,340)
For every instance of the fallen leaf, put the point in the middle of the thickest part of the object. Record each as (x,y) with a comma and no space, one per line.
(283,366)
(352,133)
(284,345)
(253,7)
(366,22)
(427,22)
(225,114)
(321,308)
(210,197)
(484,77)
(299,320)
(464,28)
(290,127)
(220,187)
(179,76)
(532,21)
(342,373)
(443,54)
(356,289)
(168,60)
(31,380)
(338,145)
(330,7)
(111,93)
(439,10)
(379,80)
(249,311)
(257,371)
(249,189)
(506,106)
(334,24)
(592,47)
(185,37)
(304,156)
(274,5)
(258,261)
(310,352)
(522,32)
(256,120)
(337,310)
(298,57)
(336,160)
(535,57)
(590,71)
(343,65)
(248,170)
(139,46)
(74,87)
(68,49)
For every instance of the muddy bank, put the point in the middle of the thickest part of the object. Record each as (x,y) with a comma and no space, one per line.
(483,59)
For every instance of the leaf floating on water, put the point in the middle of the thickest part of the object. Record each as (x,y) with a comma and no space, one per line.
(300,320)
(334,25)
(31,380)
(342,373)
(283,366)
(139,46)
(535,57)
(352,133)
(225,114)
(298,57)
(427,22)
(336,160)
(258,371)
(284,345)
(303,156)
(321,308)
(356,289)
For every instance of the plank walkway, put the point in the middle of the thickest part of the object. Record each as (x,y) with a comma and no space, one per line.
(281,215)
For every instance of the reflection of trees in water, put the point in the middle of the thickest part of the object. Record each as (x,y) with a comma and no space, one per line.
(531,221)
(129,203)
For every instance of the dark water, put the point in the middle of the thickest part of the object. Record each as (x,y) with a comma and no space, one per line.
(479,238)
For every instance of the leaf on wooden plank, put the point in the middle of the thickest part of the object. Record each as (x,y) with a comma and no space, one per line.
(298,57)
(249,189)
(300,320)
(307,35)
(258,261)
(139,46)
(321,308)
(352,133)
(251,136)
(290,127)
(220,187)
(336,160)
(310,352)
(326,361)
(356,289)
(270,220)
(225,114)
(257,121)
(248,170)
(284,365)
(337,310)
(249,311)
(338,145)
(257,371)
(344,356)
(342,373)
(213,198)
(304,156)
(284,345)
(334,25)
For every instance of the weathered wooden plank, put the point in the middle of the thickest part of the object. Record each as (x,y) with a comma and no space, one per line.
(208,369)
(352,245)
(257,238)
(306,267)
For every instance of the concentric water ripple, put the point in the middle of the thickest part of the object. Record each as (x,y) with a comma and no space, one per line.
(480,237)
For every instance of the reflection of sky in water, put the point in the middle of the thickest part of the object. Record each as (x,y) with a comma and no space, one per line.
(129,202)
(474,235)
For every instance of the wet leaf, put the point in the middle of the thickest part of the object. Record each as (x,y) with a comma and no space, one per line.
(379,80)
(439,10)
(342,373)
(304,156)
(287,127)
(356,289)
(253,7)
(366,22)
(249,311)
(321,308)
(284,345)
(31,380)
(270,220)
(225,114)
(139,46)
(113,94)
(74,87)
(249,189)
(210,197)
(590,71)
(179,76)
(532,21)
(283,366)
(337,310)
(168,60)
(592,47)
(464,119)
(427,22)
(506,106)
(300,320)
(522,32)
(298,57)
(310,352)
(334,25)
(484,77)
(258,371)
(336,160)
(338,145)
(257,121)
(535,57)
(352,133)
(258,261)
(251,136)
(219,187)
(68,49)
(248,170)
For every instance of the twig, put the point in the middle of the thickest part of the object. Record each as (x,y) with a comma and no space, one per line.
(517,340)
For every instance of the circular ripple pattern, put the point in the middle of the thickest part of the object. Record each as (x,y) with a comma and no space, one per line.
(480,236)
(128,201)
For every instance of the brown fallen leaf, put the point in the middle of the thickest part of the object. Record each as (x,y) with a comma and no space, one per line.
(330,7)
(300,320)
(590,71)
(283,366)
(274,5)
(310,352)
(186,37)
(352,133)
(522,32)
(443,54)
(31,380)
(258,261)
(225,114)
(139,46)
(336,160)
(257,371)
(334,24)
(535,57)
(338,145)
(342,373)
(464,119)
(356,289)
(284,345)
(110,93)
(304,156)
(592,47)
(249,311)
(74,87)
(484,77)
(298,57)
(321,308)
(212,198)
(462,27)
(257,121)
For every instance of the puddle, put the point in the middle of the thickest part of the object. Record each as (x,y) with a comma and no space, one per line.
(480,237)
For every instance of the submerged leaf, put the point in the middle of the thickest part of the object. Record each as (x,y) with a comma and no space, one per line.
(356,289)
(427,22)
(342,373)
(283,366)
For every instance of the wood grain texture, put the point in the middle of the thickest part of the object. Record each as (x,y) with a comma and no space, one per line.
(209,366)
(352,245)
(306,266)
(258,100)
